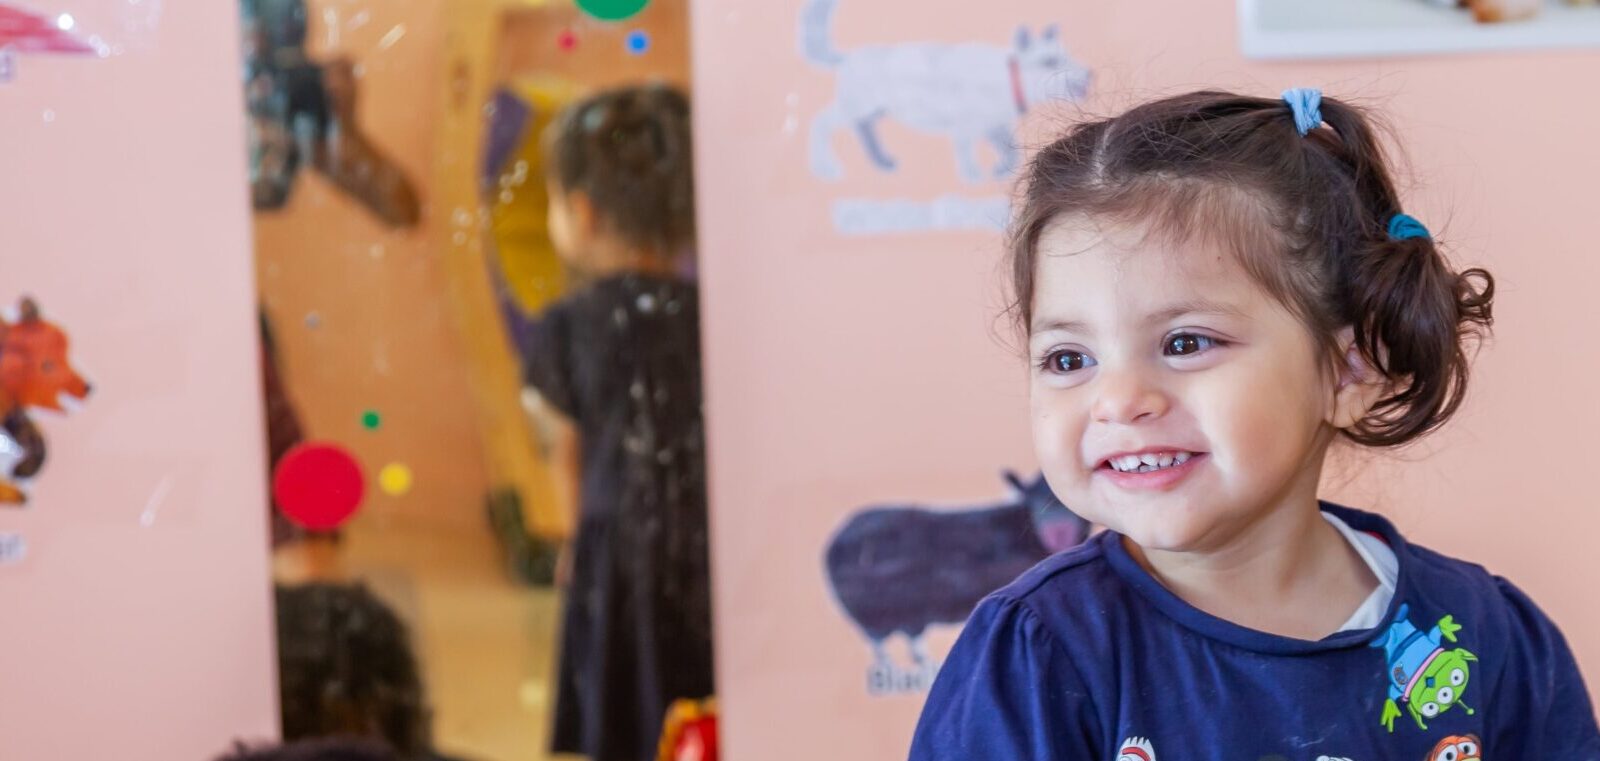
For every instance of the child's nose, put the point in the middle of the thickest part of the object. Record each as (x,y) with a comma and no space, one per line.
(1127,396)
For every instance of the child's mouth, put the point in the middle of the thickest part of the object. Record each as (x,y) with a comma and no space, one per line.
(1148,462)
(1151,470)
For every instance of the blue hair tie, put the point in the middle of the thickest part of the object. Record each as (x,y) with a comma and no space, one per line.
(1306,103)
(1403,226)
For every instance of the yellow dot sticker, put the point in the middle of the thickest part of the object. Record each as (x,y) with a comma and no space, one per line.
(394,479)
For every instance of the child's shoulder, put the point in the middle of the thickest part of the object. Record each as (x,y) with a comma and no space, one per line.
(1453,586)
(1067,569)
(1068,590)
(1432,568)
(1073,600)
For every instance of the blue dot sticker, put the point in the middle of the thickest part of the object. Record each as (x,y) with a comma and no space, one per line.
(638,41)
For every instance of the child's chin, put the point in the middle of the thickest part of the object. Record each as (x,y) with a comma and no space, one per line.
(1164,538)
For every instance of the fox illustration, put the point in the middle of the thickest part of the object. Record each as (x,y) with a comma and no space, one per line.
(34,374)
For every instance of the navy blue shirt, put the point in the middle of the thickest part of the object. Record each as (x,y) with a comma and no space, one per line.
(1087,656)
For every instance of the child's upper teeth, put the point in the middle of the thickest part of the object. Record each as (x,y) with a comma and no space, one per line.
(1149,461)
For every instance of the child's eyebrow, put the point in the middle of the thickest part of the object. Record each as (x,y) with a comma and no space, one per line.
(1071,326)
(1196,306)
(1166,314)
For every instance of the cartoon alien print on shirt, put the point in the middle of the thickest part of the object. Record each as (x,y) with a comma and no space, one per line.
(1424,675)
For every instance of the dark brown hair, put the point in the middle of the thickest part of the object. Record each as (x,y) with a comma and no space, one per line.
(346,667)
(1307,216)
(629,151)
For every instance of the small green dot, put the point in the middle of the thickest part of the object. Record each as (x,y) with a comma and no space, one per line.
(371,419)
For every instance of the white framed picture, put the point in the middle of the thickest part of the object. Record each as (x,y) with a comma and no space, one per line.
(1285,29)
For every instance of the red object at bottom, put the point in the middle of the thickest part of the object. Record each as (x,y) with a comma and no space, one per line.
(698,742)
(690,733)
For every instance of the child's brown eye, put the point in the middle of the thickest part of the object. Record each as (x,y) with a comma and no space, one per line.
(1068,361)
(1188,343)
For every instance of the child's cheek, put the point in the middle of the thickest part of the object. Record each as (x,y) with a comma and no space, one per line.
(1057,441)
(1258,422)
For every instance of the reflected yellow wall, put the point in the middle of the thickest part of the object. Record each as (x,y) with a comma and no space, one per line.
(508,443)
(520,203)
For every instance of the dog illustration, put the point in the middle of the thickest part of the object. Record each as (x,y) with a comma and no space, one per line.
(973,92)
(903,568)
(34,373)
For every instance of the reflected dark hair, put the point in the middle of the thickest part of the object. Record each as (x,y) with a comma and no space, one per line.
(629,151)
(346,667)
(336,749)
(1306,216)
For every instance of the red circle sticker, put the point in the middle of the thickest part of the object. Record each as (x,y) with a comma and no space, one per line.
(318,485)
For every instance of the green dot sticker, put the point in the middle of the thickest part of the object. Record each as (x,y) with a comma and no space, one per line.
(612,10)
(371,419)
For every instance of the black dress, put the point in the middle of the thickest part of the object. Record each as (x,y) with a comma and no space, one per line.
(621,358)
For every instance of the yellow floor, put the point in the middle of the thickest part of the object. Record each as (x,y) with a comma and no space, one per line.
(486,645)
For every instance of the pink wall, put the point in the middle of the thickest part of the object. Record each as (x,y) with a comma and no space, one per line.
(844,371)
(137,626)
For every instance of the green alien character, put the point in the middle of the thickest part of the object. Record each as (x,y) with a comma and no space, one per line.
(1422,674)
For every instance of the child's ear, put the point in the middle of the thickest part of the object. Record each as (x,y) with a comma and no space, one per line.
(1357,384)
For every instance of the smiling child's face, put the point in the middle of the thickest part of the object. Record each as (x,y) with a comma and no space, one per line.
(1173,399)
